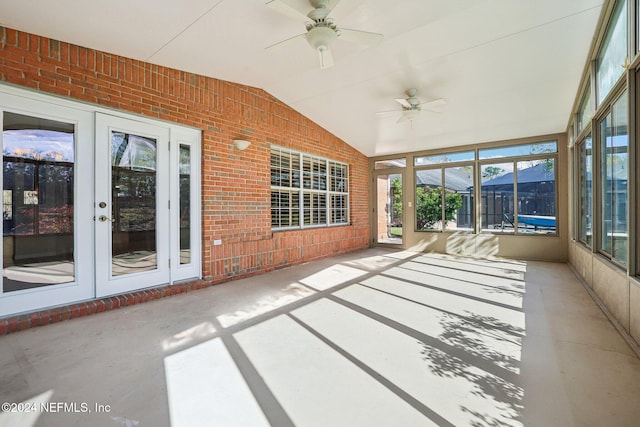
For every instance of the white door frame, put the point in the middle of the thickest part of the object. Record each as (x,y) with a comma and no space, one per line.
(376,206)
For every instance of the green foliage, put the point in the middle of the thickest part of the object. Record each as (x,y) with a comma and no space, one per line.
(396,195)
(429,206)
(491,171)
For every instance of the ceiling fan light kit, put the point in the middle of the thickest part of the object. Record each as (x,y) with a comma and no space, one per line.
(409,115)
(321,38)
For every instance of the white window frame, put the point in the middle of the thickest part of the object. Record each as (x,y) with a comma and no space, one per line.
(301,191)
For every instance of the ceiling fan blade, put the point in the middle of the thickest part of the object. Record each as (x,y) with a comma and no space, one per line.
(326,58)
(283,8)
(388,112)
(403,102)
(433,105)
(362,37)
(284,43)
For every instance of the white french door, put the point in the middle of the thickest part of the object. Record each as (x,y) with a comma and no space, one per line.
(131,205)
(47,250)
(388,208)
(94,203)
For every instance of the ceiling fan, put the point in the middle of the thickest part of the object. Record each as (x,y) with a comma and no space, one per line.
(321,29)
(412,106)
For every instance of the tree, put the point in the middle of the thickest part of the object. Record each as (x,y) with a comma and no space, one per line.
(429,206)
(491,171)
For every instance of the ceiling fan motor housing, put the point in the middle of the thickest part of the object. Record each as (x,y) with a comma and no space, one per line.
(414,102)
(321,38)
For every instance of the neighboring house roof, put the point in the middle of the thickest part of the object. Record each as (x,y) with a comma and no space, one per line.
(456,179)
(538,173)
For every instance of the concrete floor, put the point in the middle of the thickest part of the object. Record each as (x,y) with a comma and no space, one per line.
(374,338)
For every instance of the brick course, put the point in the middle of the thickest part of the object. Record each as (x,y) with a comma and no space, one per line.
(235,185)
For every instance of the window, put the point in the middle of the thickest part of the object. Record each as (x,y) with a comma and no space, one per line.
(390,164)
(444,192)
(517,190)
(307,191)
(444,198)
(339,191)
(497,197)
(586,110)
(536,205)
(586,191)
(518,150)
(613,53)
(462,156)
(614,148)
(429,215)
(519,196)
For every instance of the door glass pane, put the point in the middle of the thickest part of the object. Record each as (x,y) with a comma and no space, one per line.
(458,199)
(185,204)
(497,198)
(536,196)
(37,202)
(133,204)
(389,209)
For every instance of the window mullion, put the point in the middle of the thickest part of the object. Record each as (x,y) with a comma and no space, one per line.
(301,190)
(442,200)
(328,202)
(516,201)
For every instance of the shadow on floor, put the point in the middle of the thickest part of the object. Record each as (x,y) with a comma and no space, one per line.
(376,338)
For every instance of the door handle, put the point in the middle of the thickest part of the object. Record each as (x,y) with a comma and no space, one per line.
(103,218)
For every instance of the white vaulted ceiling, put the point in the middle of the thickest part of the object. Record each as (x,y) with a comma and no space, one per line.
(507,68)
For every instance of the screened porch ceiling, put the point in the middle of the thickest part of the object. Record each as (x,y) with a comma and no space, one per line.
(506,68)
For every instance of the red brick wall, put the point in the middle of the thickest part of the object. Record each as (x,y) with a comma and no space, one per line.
(235,185)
